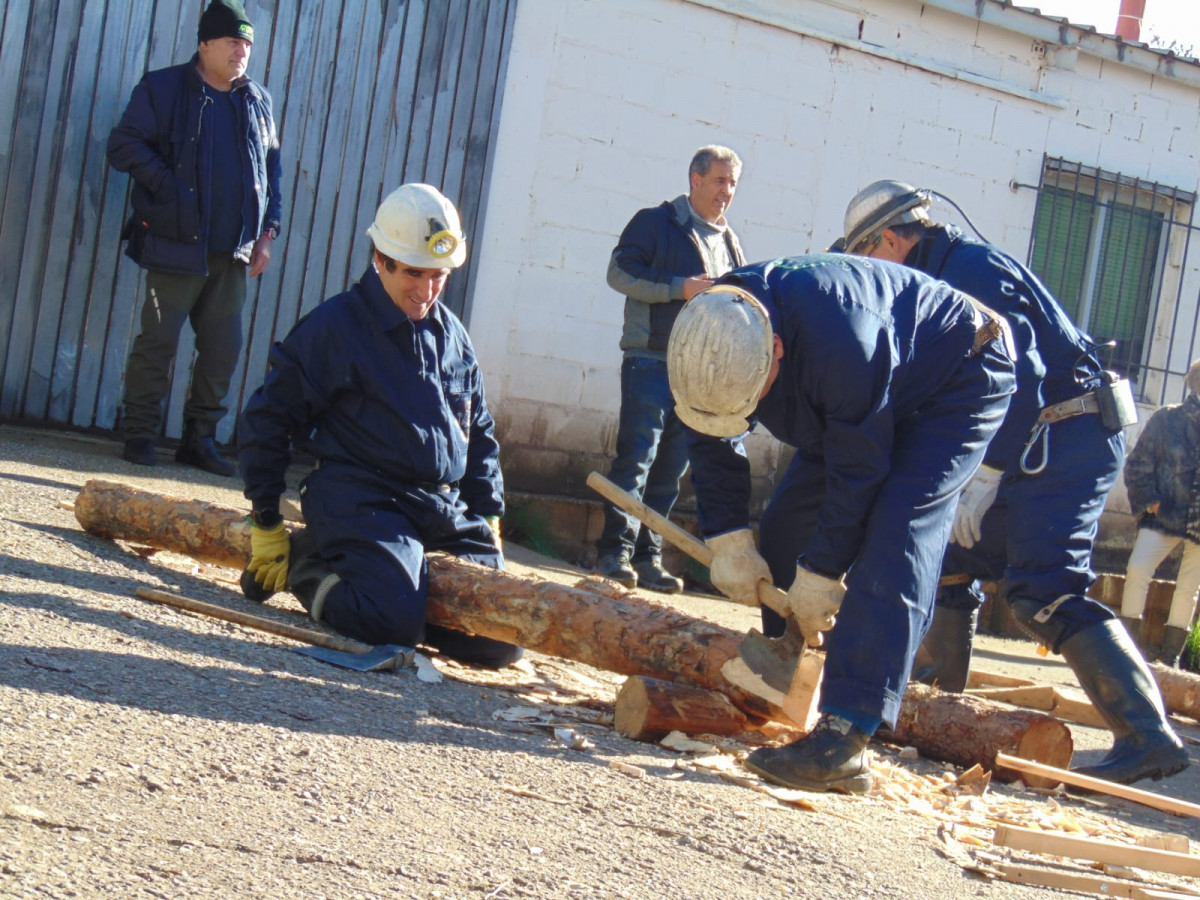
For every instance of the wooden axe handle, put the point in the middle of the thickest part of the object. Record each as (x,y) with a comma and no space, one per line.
(303,635)
(768,595)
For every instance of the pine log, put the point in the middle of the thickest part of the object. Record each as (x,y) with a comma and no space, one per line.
(1180,690)
(966,730)
(648,709)
(626,634)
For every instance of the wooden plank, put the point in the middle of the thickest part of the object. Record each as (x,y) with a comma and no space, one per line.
(485,121)
(445,93)
(1146,798)
(458,132)
(979,678)
(18,219)
(1078,710)
(425,93)
(1057,844)
(75,213)
(1084,884)
(114,297)
(1034,696)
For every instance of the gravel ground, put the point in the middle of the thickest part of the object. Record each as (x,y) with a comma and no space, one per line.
(149,753)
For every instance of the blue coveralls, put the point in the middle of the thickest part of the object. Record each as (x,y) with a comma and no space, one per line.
(889,409)
(1039,534)
(394,412)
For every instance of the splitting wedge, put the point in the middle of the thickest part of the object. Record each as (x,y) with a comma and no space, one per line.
(780,670)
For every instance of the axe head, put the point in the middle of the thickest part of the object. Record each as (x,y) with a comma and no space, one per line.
(774,660)
(384,658)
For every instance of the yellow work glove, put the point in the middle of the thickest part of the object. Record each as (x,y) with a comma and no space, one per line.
(494,524)
(814,601)
(737,567)
(270,551)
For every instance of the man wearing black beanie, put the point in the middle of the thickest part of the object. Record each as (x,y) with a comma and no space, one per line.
(200,143)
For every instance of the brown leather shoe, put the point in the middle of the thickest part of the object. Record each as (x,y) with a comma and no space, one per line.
(833,757)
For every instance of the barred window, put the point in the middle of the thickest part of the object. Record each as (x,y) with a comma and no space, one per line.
(1113,250)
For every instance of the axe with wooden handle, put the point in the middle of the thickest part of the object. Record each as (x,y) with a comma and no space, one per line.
(780,670)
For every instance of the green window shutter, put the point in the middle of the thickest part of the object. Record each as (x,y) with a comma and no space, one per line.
(1061,228)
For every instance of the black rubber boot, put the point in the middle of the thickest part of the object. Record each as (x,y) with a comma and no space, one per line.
(200,451)
(944,657)
(833,757)
(1124,692)
(309,576)
(1172,645)
(653,577)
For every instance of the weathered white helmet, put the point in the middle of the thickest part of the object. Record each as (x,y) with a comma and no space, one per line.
(419,227)
(881,205)
(718,359)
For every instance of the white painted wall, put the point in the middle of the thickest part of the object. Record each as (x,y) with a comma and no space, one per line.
(606,100)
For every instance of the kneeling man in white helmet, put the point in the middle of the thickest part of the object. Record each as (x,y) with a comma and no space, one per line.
(379,384)
(889,384)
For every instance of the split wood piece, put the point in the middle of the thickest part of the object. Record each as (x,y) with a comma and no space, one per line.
(979,678)
(803,695)
(1085,884)
(1065,776)
(1180,690)
(1056,844)
(648,709)
(630,636)
(966,730)
(1047,697)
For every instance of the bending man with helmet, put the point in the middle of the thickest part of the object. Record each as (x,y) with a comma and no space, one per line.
(889,385)
(380,384)
(1031,513)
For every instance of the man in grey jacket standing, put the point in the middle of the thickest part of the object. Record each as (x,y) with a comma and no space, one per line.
(199,141)
(666,255)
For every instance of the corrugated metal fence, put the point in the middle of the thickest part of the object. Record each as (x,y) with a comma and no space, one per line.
(368,94)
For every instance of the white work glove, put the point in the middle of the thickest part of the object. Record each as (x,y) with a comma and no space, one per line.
(737,567)
(977,498)
(815,600)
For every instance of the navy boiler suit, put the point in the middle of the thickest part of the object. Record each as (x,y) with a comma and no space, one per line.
(889,408)
(1039,533)
(394,412)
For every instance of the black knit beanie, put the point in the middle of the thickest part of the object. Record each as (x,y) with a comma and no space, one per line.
(225,19)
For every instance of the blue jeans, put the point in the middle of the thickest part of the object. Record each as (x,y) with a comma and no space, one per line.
(651,458)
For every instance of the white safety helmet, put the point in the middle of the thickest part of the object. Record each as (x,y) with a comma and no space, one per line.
(881,205)
(417,226)
(718,359)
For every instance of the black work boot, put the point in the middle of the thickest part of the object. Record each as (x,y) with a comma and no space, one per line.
(309,577)
(833,757)
(1124,692)
(653,577)
(1172,645)
(200,451)
(616,567)
(944,657)
(140,451)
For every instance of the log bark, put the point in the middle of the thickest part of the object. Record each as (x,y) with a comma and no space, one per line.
(1180,690)
(624,634)
(648,709)
(966,730)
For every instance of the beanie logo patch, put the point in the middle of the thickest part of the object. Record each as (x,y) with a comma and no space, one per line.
(246,31)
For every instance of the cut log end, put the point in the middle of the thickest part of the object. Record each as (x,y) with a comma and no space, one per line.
(648,709)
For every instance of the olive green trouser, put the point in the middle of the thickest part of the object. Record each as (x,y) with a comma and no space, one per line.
(213,304)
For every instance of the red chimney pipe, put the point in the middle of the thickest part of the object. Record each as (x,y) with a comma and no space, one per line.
(1129,19)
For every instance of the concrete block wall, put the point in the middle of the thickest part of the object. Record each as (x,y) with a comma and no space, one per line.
(604,103)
